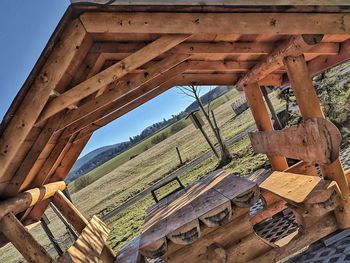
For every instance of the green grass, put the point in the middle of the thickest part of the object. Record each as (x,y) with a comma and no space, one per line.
(128,224)
(139,148)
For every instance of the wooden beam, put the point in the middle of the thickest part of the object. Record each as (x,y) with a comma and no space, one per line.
(25,243)
(119,89)
(217,23)
(262,119)
(309,107)
(31,157)
(111,74)
(294,46)
(224,79)
(109,49)
(315,140)
(74,44)
(127,98)
(29,198)
(322,63)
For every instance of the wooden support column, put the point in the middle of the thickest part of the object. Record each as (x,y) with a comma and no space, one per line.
(25,243)
(309,106)
(262,119)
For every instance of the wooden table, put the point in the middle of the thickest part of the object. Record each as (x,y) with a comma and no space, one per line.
(179,218)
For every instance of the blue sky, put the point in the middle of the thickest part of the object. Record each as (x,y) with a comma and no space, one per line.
(25,28)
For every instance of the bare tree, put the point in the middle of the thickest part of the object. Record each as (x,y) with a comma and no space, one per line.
(193,92)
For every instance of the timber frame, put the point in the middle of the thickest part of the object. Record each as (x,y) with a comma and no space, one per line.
(105,60)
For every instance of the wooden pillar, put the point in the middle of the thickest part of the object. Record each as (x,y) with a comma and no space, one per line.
(19,236)
(309,106)
(262,119)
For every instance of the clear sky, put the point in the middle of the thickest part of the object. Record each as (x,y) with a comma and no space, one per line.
(25,28)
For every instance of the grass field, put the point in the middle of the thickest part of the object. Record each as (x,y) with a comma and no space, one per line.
(143,146)
(119,179)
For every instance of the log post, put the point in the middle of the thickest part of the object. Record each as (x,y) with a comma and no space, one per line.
(309,108)
(262,120)
(78,221)
(25,243)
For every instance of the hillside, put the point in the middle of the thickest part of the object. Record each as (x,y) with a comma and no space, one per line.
(103,154)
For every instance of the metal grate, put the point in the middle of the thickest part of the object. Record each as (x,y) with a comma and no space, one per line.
(277,227)
(337,252)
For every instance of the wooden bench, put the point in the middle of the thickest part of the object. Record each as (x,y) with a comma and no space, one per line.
(88,247)
(130,253)
(187,223)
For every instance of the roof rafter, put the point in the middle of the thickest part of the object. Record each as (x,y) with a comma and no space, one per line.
(111,74)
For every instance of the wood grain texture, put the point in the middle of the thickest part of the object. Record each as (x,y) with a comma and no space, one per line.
(315,140)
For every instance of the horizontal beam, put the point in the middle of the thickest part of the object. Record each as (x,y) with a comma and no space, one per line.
(315,140)
(111,74)
(29,198)
(217,23)
(224,79)
(294,46)
(109,49)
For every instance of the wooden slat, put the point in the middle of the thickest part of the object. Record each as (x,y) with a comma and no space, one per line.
(61,59)
(291,187)
(315,140)
(228,48)
(111,74)
(89,245)
(129,253)
(212,23)
(25,243)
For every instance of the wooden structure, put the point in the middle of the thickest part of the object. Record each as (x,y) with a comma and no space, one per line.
(104,60)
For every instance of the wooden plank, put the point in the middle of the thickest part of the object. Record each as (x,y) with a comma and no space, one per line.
(120,89)
(111,74)
(315,140)
(89,245)
(129,253)
(291,187)
(302,168)
(108,49)
(293,46)
(262,120)
(216,23)
(25,243)
(60,60)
